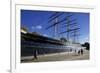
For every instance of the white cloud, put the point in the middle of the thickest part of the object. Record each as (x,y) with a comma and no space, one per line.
(36,27)
(84,39)
(45,35)
(39,27)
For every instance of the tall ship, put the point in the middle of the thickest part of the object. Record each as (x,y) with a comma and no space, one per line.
(44,45)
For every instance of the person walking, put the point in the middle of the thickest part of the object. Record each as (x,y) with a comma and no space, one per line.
(81,51)
(78,52)
(35,54)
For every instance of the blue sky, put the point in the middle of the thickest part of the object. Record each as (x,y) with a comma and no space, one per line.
(37,21)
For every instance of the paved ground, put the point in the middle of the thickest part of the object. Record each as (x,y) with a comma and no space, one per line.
(65,56)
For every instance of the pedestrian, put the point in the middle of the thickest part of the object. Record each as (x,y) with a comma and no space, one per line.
(81,51)
(78,52)
(35,54)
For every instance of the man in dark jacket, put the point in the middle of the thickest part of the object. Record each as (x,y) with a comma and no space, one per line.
(35,54)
